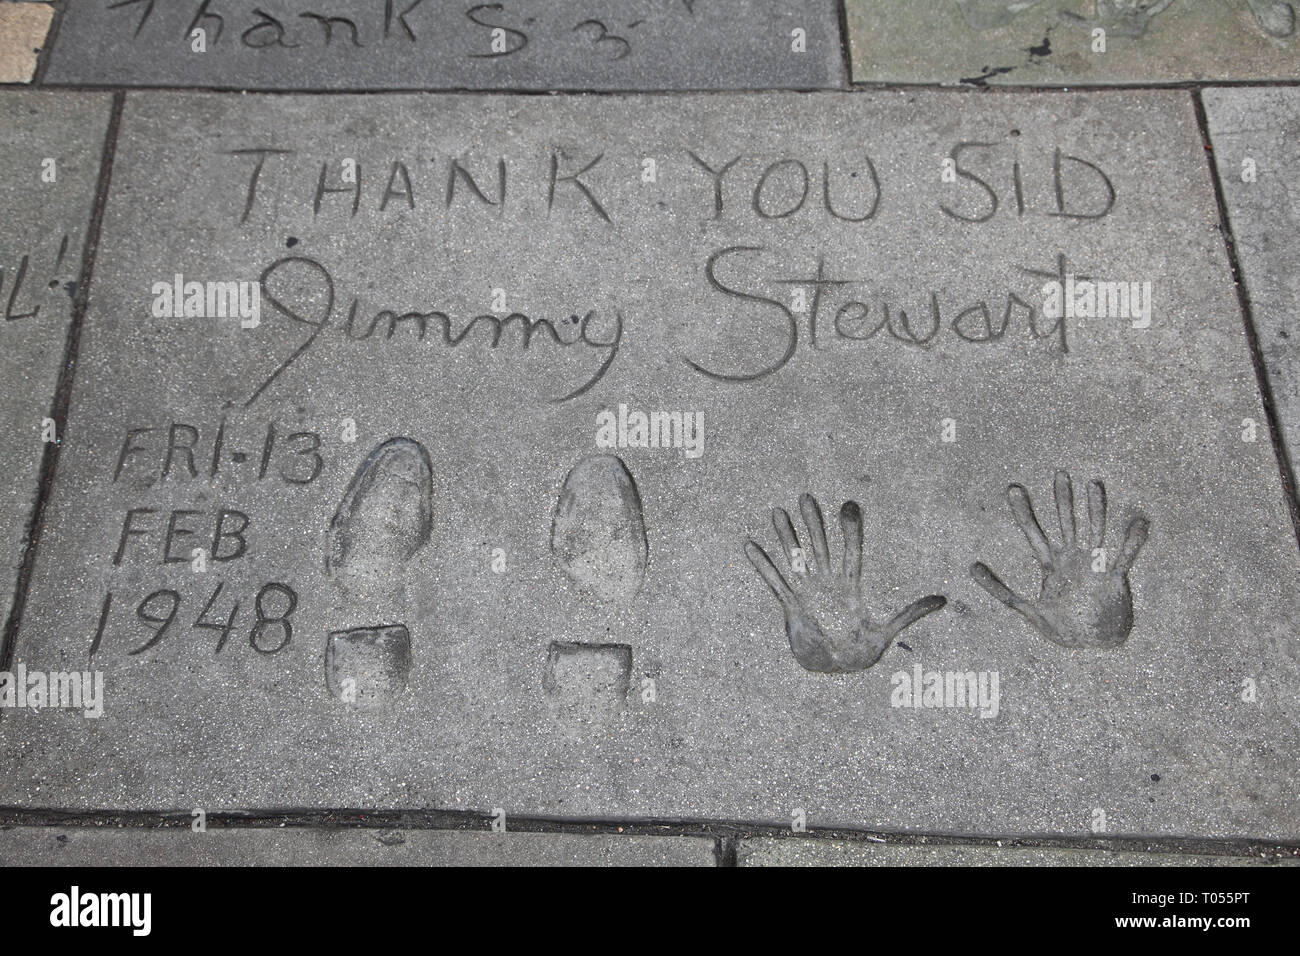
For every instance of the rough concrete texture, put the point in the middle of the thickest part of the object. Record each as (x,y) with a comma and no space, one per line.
(22,34)
(49,165)
(1056,43)
(396,271)
(452,44)
(1256,137)
(794,852)
(300,846)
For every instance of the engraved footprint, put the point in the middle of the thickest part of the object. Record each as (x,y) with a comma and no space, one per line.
(1126,18)
(989,14)
(368,666)
(384,518)
(825,621)
(1077,606)
(1275,17)
(598,530)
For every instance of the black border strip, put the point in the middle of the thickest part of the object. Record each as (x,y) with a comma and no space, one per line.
(727,834)
(51,35)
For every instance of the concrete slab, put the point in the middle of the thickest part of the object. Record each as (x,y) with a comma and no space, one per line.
(538,612)
(1256,137)
(300,846)
(1058,43)
(451,44)
(795,852)
(49,167)
(22,35)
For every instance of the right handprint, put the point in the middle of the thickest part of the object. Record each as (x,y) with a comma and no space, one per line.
(1085,599)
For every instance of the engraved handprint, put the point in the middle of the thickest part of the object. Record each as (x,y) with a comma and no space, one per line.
(1083,603)
(824,618)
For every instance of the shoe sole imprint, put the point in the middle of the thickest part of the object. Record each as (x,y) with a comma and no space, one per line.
(598,530)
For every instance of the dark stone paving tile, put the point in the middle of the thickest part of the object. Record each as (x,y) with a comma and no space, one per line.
(49,166)
(440,569)
(1072,42)
(82,846)
(451,44)
(1256,138)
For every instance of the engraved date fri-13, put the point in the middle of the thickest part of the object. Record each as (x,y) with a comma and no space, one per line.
(162,536)
(179,450)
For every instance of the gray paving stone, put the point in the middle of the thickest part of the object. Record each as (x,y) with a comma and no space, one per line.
(452,44)
(524,617)
(1256,134)
(794,852)
(40,263)
(1056,43)
(297,846)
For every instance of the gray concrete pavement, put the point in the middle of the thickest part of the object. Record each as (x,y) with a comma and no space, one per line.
(882,459)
